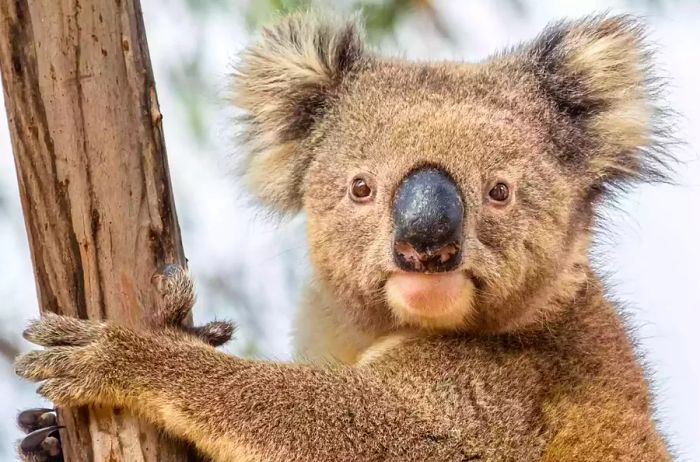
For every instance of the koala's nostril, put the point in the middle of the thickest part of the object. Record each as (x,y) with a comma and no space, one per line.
(444,258)
(428,222)
(407,254)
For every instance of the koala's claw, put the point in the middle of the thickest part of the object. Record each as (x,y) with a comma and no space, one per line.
(36,439)
(35,418)
(42,443)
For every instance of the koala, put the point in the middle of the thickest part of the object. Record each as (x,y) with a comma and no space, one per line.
(453,313)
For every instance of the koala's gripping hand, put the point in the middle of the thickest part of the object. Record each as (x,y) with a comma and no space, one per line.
(87,362)
(176,298)
(228,407)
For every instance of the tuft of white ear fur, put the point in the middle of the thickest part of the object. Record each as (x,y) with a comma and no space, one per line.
(285,82)
(598,72)
(610,64)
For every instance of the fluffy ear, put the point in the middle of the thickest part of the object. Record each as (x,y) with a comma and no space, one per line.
(285,82)
(597,73)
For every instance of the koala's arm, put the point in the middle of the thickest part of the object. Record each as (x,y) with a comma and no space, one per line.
(231,408)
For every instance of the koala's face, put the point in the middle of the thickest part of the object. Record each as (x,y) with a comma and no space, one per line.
(446,196)
(437,193)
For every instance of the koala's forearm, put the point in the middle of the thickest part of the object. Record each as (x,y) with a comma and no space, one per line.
(269,411)
(241,410)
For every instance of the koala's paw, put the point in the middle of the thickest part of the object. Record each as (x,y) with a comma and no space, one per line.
(42,443)
(176,290)
(89,362)
(80,362)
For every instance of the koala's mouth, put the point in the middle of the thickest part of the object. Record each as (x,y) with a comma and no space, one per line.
(436,300)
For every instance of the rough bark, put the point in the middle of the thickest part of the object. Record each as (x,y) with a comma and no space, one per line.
(94,184)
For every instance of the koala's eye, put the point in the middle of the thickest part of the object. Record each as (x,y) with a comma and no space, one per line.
(500,192)
(360,189)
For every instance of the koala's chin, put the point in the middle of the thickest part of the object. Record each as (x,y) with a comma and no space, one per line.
(434,301)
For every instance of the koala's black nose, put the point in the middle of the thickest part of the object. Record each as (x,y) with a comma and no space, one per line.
(428,221)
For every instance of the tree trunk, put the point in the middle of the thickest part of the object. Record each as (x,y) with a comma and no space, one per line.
(94,184)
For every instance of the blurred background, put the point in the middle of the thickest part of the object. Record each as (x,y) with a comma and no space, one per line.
(249,268)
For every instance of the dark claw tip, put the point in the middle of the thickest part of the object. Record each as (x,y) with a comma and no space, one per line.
(33,441)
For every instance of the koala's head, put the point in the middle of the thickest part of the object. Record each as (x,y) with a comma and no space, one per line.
(448,195)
